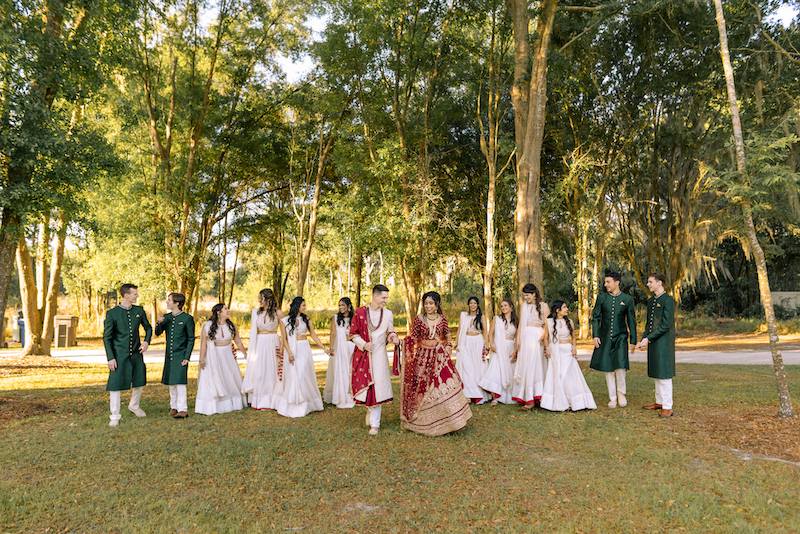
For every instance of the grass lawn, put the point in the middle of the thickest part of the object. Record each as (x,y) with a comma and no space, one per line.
(724,463)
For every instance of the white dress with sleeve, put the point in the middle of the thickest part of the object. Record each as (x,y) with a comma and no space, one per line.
(300,395)
(263,356)
(498,378)
(470,362)
(565,387)
(219,384)
(337,380)
(528,382)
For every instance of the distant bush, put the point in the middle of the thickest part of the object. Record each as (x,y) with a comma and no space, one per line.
(785,313)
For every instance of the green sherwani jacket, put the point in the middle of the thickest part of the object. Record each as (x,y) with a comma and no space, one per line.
(614,322)
(121,340)
(660,333)
(180,342)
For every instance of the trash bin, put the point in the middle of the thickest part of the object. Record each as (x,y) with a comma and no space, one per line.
(66,327)
(20,330)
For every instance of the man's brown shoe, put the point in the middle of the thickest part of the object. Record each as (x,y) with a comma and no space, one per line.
(652,407)
(181,415)
(172,412)
(665,413)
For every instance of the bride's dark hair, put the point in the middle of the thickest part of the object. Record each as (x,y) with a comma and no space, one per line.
(437,299)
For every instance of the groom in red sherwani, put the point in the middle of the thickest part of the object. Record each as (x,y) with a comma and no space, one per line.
(372,327)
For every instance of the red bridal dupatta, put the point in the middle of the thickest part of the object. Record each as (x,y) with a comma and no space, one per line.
(432,401)
(361,370)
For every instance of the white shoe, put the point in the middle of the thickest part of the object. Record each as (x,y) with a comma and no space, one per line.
(138,412)
(113,422)
(612,403)
(622,400)
(373,431)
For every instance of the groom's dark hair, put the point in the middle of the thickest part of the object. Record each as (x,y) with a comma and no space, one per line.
(380,288)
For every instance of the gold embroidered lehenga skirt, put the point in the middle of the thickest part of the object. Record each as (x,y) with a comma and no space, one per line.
(433,402)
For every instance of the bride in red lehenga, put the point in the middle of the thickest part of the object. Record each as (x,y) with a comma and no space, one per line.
(430,389)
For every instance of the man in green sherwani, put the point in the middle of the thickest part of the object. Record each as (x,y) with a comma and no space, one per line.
(179,327)
(614,331)
(124,351)
(659,338)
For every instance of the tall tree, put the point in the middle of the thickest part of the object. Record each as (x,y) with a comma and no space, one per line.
(491,136)
(529,98)
(785,409)
(55,57)
(199,86)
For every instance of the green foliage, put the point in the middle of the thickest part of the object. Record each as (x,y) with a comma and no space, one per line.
(635,153)
(768,183)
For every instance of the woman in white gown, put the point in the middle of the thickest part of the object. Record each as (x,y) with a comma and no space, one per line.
(300,394)
(264,353)
(219,380)
(337,380)
(502,338)
(565,387)
(471,362)
(532,347)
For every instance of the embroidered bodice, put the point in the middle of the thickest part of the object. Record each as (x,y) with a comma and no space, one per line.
(562,330)
(421,330)
(263,322)
(533,315)
(471,329)
(221,337)
(509,329)
(300,328)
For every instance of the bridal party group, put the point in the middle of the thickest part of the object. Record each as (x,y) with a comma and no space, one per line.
(527,358)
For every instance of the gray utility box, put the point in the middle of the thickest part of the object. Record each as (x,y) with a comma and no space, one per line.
(66,328)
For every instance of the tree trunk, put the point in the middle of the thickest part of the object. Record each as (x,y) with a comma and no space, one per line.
(30,309)
(54,286)
(42,250)
(785,409)
(582,268)
(324,152)
(278,280)
(529,98)
(8,251)
(305,257)
(357,274)
(196,132)
(489,147)
(222,271)
(233,273)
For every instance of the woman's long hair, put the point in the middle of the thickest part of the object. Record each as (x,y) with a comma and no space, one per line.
(340,317)
(269,301)
(294,311)
(537,297)
(212,330)
(554,307)
(514,318)
(437,299)
(478,313)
